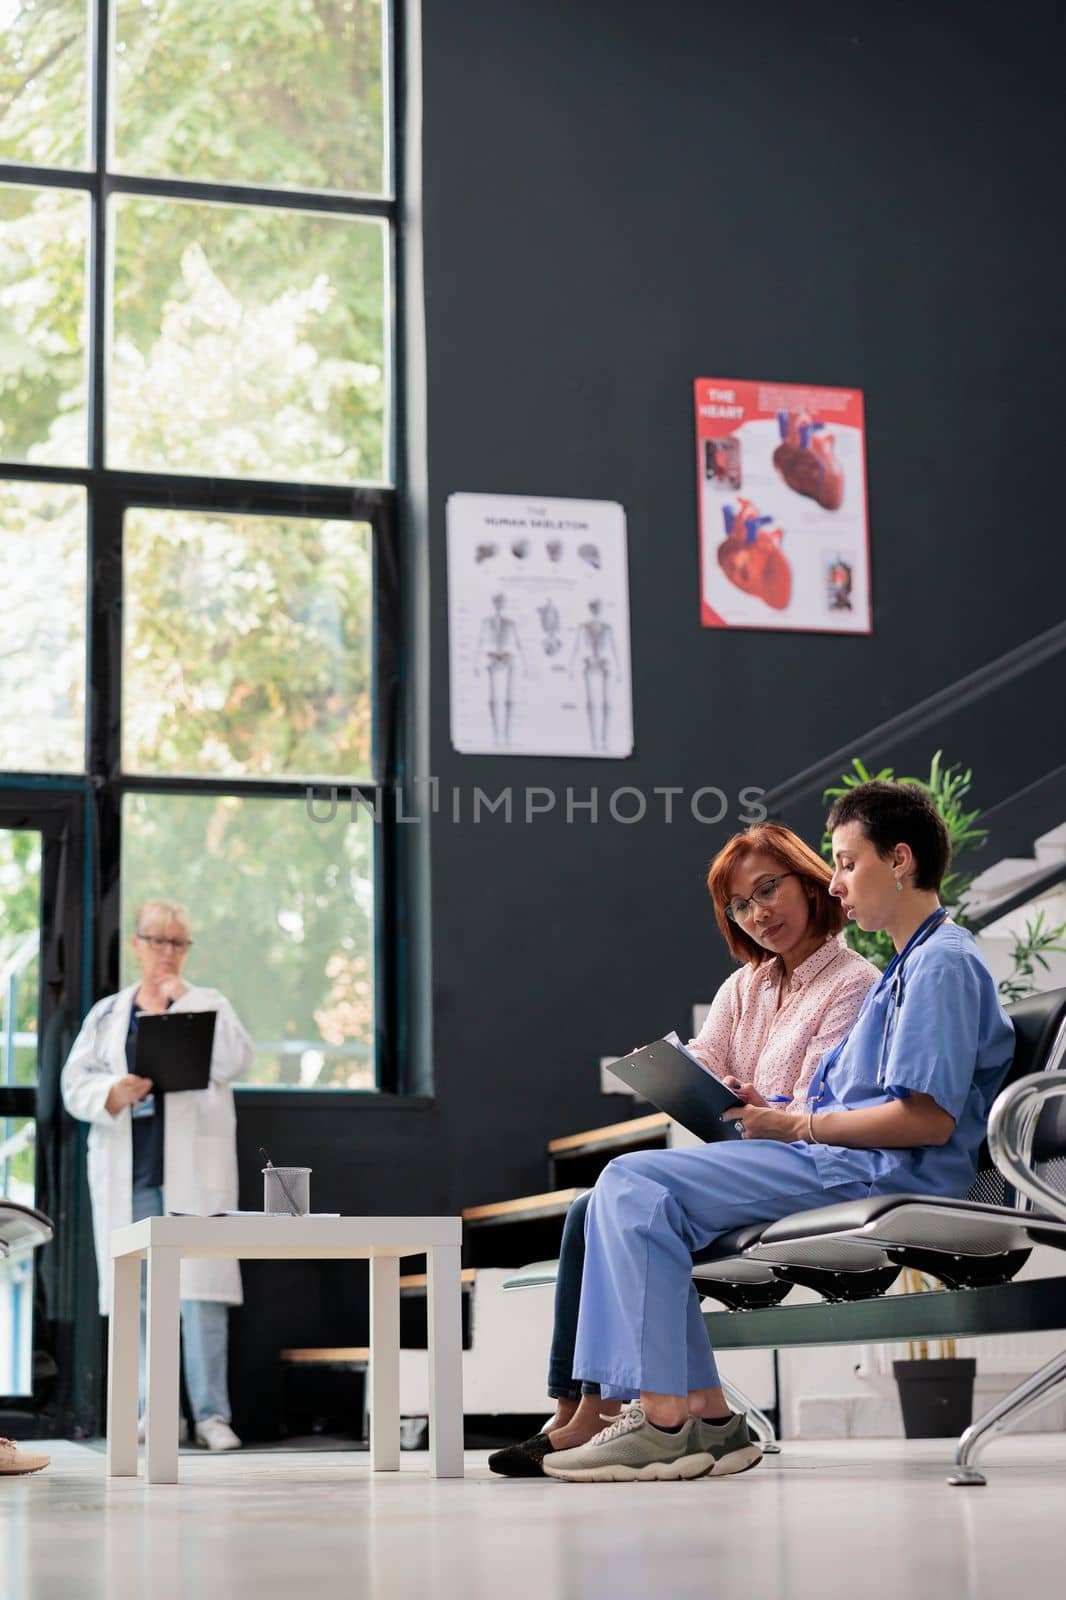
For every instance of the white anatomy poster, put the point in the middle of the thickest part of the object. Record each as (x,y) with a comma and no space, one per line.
(538,614)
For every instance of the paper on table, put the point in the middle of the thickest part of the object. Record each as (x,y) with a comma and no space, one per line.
(251,1213)
(275,1213)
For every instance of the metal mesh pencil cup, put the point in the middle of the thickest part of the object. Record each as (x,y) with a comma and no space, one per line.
(298,1182)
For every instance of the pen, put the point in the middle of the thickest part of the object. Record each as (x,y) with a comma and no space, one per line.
(284,1186)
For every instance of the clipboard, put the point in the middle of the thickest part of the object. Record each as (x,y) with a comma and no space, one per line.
(174,1049)
(675,1081)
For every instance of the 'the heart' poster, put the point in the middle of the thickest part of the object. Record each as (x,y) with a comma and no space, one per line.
(784,537)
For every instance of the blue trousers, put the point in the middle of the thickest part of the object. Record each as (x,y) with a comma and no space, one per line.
(639,1324)
(204,1334)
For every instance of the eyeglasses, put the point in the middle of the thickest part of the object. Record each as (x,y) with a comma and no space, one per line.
(764,895)
(179,946)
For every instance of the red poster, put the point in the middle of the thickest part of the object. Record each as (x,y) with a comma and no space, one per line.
(781,480)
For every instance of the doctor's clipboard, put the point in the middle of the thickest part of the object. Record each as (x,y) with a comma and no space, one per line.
(174,1049)
(672,1079)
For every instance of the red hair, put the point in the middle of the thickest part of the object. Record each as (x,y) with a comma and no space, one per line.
(787,848)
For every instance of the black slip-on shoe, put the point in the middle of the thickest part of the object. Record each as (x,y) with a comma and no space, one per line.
(522,1460)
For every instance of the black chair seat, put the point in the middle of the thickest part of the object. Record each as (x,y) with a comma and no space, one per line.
(729,1244)
(825,1254)
(924,1222)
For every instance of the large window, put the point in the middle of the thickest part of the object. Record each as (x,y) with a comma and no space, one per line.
(283,922)
(247,645)
(197,245)
(247,341)
(42,662)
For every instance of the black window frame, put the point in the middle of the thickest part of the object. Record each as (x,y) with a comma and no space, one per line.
(60,810)
(112,492)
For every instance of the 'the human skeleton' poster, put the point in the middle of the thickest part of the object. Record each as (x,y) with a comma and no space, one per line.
(781,476)
(538,612)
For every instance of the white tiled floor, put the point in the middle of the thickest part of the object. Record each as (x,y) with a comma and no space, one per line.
(855,1519)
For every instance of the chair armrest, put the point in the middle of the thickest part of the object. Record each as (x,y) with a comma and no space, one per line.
(22,1228)
(1012,1125)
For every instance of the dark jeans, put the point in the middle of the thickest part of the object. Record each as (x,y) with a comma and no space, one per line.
(561,1384)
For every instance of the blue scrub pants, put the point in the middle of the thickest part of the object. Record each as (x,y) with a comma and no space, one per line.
(204,1334)
(639,1325)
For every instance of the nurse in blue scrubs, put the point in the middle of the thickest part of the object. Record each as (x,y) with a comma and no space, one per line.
(901,1105)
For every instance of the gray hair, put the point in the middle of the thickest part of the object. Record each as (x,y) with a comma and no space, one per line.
(154,912)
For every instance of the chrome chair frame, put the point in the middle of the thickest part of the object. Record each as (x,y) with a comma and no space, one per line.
(1012,1128)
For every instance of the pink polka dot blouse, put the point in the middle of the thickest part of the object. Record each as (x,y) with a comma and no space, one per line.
(748,1036)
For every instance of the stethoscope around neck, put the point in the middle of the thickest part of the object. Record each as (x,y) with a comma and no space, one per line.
(894,977)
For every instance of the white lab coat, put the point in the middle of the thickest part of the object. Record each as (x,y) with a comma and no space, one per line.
(199,1138)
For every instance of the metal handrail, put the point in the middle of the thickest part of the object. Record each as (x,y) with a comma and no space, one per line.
(16,1143)
(19,959)
(924,714)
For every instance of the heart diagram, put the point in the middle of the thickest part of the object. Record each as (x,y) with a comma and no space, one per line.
(751,556)
(806,461)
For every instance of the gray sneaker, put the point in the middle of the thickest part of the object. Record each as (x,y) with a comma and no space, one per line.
(632,1448)
(730,1446)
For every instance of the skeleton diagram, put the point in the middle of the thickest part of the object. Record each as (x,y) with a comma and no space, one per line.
(595,640)
(550,622)
(498,646)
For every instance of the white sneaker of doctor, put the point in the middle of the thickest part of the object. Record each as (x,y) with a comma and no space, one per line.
(183,1430)
(216,1434)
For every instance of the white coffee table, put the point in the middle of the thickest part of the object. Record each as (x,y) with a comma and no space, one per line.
(163,1241)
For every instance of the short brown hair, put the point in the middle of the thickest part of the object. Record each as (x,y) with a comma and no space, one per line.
(898,813)
(827,915)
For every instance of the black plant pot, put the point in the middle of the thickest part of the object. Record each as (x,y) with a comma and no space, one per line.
(936,1396)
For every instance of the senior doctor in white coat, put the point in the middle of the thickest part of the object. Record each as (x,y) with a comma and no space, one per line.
(149,1154)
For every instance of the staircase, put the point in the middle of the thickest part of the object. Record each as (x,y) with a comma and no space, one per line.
(509,1233)
(1024,879)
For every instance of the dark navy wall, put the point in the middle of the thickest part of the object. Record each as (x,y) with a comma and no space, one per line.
(620,197)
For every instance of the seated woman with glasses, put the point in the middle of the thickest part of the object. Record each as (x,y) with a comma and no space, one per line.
(796,994)
(152,1153)
(900,1106)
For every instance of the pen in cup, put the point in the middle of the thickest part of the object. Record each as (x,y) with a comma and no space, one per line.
(286,1191)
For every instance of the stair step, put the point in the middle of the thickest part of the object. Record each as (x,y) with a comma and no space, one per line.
(418,1282)
(529,1208)
(1003,879)
(1050,848)
(631,1135)
(328,1356)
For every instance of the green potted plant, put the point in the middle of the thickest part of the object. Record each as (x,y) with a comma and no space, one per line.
(936,1392)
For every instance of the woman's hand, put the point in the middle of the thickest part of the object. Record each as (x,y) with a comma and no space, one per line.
(763,1122)
(172,987)
(745,1091)
(126,1092)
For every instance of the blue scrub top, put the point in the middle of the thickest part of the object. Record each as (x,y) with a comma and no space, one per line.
(933,1026)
